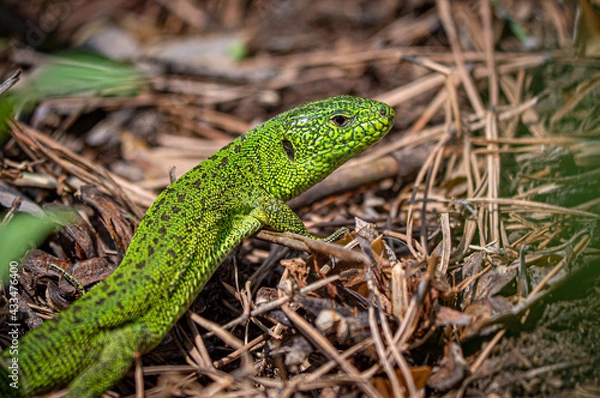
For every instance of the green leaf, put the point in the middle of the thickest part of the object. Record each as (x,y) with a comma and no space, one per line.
(72,73)
(24,232)
(7,106)
(82,73)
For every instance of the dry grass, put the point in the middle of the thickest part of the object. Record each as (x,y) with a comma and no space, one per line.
(479,212)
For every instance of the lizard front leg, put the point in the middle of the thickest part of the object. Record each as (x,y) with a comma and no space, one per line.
(281,218)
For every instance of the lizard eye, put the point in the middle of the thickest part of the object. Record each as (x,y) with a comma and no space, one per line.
(340,120)
(289,149)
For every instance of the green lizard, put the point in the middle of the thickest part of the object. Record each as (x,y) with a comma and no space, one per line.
(185,235)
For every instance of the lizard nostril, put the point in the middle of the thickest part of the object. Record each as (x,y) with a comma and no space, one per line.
(382,112)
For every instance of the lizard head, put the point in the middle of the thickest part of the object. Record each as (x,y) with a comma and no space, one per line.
(305,144)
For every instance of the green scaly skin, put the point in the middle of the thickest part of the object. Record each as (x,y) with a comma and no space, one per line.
(186,234)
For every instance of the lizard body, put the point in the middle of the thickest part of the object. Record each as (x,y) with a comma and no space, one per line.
(185,235)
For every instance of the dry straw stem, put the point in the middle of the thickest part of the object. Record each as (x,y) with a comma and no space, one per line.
(38,145)
(459,226)
(329,350)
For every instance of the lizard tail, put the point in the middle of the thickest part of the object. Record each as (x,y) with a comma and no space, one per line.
(9,385)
